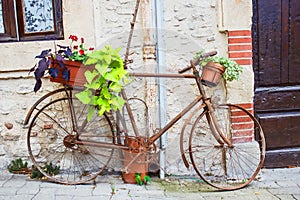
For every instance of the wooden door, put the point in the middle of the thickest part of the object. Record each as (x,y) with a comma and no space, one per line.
(276,50)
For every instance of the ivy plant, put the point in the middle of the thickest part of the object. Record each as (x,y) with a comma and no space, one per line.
(104,82)
(233,70)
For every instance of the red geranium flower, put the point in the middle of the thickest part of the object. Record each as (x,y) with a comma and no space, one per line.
(81,51)
(91,48)
(73,38)
(75,47)
(82,40)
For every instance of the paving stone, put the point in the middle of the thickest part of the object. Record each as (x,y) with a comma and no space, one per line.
(103,189)
(16,181)
(285,197)
(7,191)
(45,184)
(4,179)
(16,197)
(296,196)
(285,190)
(64,197)
(29,188)
(104,197)
(71,191)
(267,188)
(45,194)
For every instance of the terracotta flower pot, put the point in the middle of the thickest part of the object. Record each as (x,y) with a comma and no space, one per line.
(140,165)
(76,73)
(212,73)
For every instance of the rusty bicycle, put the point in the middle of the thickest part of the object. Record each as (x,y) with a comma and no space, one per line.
(60,134)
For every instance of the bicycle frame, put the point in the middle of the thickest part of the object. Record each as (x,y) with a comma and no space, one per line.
(217,133)
(206,104)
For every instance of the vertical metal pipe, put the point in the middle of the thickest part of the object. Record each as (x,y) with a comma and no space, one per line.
(160,68)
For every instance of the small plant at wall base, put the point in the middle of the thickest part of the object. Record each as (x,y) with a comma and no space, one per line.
(48,168)
(46,57)
(139,181)
(18,166)
(104,82)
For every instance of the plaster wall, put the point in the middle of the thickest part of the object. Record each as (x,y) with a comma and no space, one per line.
(188,26)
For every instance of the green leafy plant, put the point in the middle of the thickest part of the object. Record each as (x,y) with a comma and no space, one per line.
(18,166)
(36,173)
(232,69)
(48,168)
(104,82)
(141,181)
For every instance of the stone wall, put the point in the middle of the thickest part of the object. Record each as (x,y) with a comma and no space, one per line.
(16,98)
(188,26)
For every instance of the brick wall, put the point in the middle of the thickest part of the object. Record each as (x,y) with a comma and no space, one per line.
(242,125)
(240,50)
(240,46)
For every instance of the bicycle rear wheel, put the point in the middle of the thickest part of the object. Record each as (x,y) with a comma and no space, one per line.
(222,166)
(51,142)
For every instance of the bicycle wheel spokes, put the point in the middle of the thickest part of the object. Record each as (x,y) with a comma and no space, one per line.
(221,165)
(52,138)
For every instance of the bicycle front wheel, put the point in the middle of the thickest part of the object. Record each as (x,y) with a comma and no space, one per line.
(52,146)
(223,166)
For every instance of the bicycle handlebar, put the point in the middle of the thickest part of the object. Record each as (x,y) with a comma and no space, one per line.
(196,62)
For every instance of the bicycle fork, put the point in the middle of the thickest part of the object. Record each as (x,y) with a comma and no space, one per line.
(214,126)
(210,116)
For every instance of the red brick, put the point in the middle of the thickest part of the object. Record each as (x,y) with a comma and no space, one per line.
(243,133)
(239,47)
(239,40)
(242,140)
(243,61)
(239,33)
(242,126)
(241,119)
(245,105)
(235,113)
(240,54)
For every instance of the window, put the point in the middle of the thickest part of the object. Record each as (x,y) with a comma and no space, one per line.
(25,20)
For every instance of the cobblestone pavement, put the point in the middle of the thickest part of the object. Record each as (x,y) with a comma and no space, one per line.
(271,184)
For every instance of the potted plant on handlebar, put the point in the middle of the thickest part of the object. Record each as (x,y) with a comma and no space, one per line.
(216,67)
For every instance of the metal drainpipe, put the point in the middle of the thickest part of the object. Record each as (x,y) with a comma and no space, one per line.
(160,68)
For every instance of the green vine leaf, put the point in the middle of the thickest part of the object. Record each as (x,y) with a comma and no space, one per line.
(105,82)
(116,87)
(90,75)
(84,96)
(107,59)
(106,94)
(117,103)
(91,112)
(102,68)
(90,61)
(101,111)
